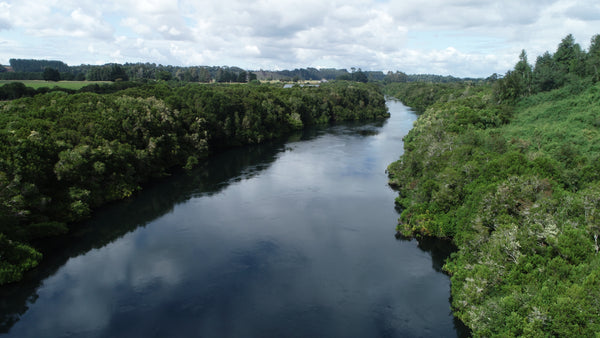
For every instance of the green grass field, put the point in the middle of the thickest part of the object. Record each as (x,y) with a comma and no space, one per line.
(63,84)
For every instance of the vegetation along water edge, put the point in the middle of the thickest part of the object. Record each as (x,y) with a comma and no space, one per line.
(64,153)
(510,170)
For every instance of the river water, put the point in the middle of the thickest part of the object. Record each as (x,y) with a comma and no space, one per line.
(290,239)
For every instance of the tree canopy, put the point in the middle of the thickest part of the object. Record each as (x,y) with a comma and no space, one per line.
(51,74)
(567,65)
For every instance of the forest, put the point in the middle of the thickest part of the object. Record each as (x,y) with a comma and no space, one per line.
(65,153)
(509,169)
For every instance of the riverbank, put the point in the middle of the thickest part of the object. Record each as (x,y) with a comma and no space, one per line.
(63,155)
(517,189)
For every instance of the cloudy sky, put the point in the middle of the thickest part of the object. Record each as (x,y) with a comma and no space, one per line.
(448,37)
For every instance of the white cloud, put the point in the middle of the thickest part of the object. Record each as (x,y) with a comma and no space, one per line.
(136,26)
(458,37)
(252,50)
(85,25)
(4,16)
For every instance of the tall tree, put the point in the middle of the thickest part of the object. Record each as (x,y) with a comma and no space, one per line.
(546,74)
(515,83)
(524,71)
(593,58)
(569,56)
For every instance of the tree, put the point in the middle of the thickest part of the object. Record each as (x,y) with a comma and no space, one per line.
(204,75)
(180,74)
(359,76)
(163,75)
(546,74)
(344,77)
(593,58)
(524,71)
(51,74)
(569,56)
(242,77)
(509,88)
(565,51)
(15,90)
(515,83)
(395,77)
(117,73)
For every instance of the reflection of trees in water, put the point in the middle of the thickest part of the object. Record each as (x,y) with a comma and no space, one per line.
(439,250)
(114,221)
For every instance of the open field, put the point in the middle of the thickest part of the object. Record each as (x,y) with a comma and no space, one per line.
(63,84)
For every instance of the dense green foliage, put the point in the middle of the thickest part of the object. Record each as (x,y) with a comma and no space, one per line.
(21,76)
(110,72)
(568,65)
(517,187)
(62,155)
(15,90)
(420,95)
(355,75)
(51,74)
(401,77)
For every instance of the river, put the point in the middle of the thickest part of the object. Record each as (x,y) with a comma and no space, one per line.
(288,239)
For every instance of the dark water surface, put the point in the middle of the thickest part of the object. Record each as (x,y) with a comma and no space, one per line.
(279,240)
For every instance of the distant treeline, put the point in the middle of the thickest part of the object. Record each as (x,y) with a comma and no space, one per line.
(37,66)
(28,69)
(400,77)
(314,74)
(34,70)
(63,154)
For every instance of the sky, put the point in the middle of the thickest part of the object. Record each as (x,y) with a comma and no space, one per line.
(464,38)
